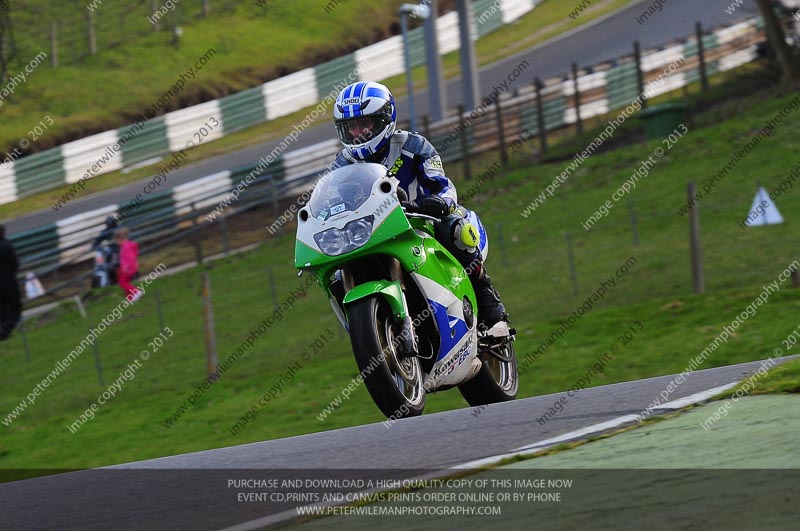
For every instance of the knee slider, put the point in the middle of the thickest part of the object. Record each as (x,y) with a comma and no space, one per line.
(466,236)
(456,231)
(450,232)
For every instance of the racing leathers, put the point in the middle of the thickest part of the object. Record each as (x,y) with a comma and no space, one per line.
(415,163)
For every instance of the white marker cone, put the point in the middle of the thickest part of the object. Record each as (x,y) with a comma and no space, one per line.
(763,211)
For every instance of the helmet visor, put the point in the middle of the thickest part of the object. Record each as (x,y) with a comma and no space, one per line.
(361,129)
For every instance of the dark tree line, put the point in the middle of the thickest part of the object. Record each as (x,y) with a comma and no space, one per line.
(776,36)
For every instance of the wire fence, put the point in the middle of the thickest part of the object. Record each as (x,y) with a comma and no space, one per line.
(640,254)
(503,132)
(69,31)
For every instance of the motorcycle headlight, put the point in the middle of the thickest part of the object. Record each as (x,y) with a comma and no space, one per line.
(359,231)
(332,242)
(355,234)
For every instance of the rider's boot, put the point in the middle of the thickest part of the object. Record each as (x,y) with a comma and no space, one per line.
(451,231)
(490,308)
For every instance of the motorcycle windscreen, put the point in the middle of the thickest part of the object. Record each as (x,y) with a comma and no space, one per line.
(344,190)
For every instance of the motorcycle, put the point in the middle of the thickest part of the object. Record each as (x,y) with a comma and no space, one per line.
(405,301)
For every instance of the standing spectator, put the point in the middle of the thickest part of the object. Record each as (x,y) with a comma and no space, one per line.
(10,296)
(128,263)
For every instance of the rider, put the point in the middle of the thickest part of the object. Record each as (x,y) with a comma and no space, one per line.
(366,122)
(107,233)
(105,270)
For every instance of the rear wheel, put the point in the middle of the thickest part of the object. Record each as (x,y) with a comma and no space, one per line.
(395,382)
(498,379)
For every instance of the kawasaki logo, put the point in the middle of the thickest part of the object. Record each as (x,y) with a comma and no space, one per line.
(457,359)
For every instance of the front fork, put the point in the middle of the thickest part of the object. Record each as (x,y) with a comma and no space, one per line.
(408,335)
(343,284)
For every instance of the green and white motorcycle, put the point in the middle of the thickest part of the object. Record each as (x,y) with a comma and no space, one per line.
(405,301)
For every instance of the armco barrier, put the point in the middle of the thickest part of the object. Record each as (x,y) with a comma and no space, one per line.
(158,214)
(280,97)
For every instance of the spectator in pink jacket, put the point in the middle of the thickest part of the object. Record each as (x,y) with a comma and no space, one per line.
(128,263)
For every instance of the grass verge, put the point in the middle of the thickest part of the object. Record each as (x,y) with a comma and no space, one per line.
(529,263)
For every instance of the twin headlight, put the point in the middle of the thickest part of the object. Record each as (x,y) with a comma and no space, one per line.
(334,242)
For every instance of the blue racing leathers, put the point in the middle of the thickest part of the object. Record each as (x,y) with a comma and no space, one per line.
(413,161)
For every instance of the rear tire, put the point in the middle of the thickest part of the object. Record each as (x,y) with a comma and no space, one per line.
(497,381)
(395,383)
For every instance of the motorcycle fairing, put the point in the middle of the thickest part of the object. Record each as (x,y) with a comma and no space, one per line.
(458,346)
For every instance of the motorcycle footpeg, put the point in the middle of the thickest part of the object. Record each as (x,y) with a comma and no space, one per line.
(500,330)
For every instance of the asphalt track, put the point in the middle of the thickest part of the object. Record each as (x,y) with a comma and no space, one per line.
(193,491)
(602,40)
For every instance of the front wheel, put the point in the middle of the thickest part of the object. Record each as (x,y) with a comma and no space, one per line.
(395,382)
(498,379)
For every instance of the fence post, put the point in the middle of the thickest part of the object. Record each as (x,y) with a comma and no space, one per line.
(224,224)
(578,120)
(694,236)
(159,311)
(501,133)
(79,304)
(206,8)
(208,325)
(24,339)
(153,10)
(464,147)
(501,241)
(275,207)
(572,272)
(90,32)
(53,44)
(426,125)
(273,289)
(634,226)
(698,29)
(540,116)
(97,363)
(795,279)
(637,56)
(198,247)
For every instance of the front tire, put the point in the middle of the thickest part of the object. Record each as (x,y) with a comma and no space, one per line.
(497,381)
(394,382)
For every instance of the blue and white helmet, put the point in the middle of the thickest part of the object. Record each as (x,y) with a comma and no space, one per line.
(365,117)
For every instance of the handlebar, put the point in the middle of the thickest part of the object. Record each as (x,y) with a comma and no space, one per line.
(421,216)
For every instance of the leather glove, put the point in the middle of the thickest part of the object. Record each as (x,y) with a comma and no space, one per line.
(433,206)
